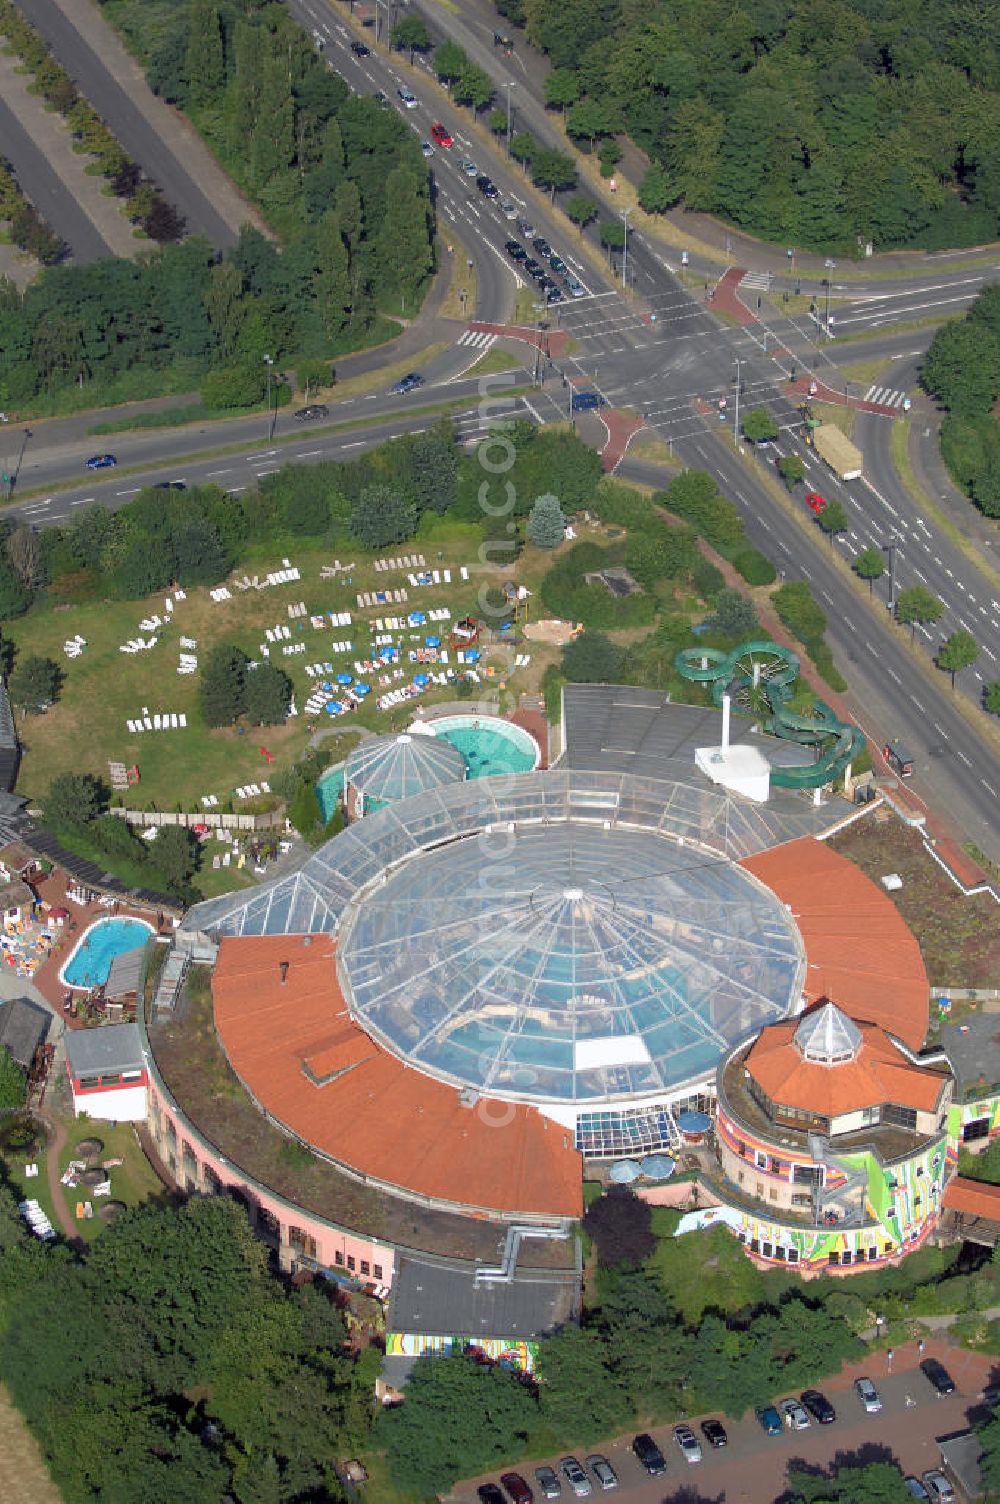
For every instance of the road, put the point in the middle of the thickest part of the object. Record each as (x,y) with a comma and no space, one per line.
(53,200)
(134,131)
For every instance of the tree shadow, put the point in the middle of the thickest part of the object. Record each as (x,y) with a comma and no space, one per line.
(863,1456)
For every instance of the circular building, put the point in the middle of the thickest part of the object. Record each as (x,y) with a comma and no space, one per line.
(385,769)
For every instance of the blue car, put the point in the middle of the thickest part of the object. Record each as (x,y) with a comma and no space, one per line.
(101,462)
(770,1420)
(587,402)
(407,383)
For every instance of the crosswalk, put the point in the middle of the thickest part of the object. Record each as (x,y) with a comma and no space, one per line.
(884,396)
(761,280)
(477,339)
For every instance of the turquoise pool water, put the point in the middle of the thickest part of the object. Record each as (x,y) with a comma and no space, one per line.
(90,962)
(489,747)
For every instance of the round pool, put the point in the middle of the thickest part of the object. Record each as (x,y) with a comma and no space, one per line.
(89,963)
(489,745)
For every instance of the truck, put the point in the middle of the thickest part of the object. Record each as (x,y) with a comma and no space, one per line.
(844,458)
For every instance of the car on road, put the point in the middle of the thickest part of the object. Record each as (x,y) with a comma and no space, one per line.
(714,1433)
(533,267)
(542,246)
(795,1414)
(469,168)
(507,209)
(769,1420)
(427,148)
(314,410)
(548,1482)
(517,1488)
(408,97)
(587,402)
(488,1493)
(915,1488)
(938,1488)
(170,485)
(819,1406)
(101,462)
(602,1470)
(526,228)
(553,295)
(938,1375)
(557,264)
(576,287)
(576,1478)
(649,1455)
(515,250)
(360,50)
(441,136)
(383,99)
(688,1443)
(815,502)
(407,383)
(487,187)
(868,1395)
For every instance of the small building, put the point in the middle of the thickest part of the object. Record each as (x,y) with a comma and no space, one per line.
(960,1459)
(17,862)
(617,581)
(10,751)
(107,1073)
(24,1026)
(385,769)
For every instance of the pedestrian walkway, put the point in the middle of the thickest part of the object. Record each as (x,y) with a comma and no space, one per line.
(552,342)
(883,396)
(477,339)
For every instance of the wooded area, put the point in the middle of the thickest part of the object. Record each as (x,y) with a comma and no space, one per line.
(817,123)
(962,370)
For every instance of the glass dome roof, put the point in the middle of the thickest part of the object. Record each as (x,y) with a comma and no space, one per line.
(387,768)
(569,963)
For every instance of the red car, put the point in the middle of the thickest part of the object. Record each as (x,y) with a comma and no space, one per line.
(815,501)
(441,136)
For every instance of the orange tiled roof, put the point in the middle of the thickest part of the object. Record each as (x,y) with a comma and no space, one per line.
(307,1063)
(879,1072)
(859,948)
(973,1198)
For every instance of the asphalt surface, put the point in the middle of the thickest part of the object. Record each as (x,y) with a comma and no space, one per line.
(54,201)
(130,126)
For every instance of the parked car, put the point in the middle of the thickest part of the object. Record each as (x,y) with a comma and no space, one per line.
(938,1488)
(427,148)
(602,1471)
(360,50)
(649,1455)
(408,97)
(542,246)
(486,186)
(796,1417)
(407,383)
(488,1493)
(769,1420)
(441,136)
(688,1443)
(101,462)
(714,1433)
(916,1489)
(576,1478)
(868,1395)
(819,1406)
(548,1482)
(314,410)
(517,1488)
(938,1376)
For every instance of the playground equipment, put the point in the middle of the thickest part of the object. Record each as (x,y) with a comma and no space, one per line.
(760,677)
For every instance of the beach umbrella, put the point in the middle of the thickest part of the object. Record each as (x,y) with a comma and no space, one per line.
(326,685)
(343,678)
(421,679)
(689,1121)
(417,618)
(658,1166)
(624,1171)
(433,642)
(362,689)
(333,707)
(472,655)
(389,655)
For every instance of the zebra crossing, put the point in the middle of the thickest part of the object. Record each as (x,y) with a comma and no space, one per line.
(884,396)
(477,339)
(761,280)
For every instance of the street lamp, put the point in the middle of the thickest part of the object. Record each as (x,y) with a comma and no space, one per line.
(736,417)
(511,84)
(625,215)
(17,468)
(890,549)
(269,362)
(826,284)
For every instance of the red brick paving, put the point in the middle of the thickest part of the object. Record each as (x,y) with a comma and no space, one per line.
(621,429)
(552,342)
(723,298)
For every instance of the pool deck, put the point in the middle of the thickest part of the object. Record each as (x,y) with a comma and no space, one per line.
(52,890)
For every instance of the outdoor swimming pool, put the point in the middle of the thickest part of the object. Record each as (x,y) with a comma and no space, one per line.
(489,745)
(90,962)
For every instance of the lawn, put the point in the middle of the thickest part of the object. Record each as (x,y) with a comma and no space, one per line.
(133,1182)
(959,937)
(104,688)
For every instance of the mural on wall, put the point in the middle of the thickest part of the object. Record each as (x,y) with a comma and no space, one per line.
(960,1114)
(905,1195)
(733,1136)
(520,1356)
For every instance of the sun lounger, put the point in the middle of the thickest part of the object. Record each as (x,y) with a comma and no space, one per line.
(182,720)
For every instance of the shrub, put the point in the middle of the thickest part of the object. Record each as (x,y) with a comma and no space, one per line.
(707,580)
(755,567)
(822,657)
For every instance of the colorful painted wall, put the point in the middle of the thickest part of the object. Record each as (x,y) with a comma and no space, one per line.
(521,1356)
(962,1113)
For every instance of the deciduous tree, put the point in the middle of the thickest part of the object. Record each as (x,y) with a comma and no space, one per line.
(870,565)
(222,689)
(916,605)
(268,695)
(35,682)
(958,651)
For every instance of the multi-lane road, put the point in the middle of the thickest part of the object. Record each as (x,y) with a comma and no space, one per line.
(660,351)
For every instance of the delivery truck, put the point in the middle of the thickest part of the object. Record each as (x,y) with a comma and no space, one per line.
(844,458)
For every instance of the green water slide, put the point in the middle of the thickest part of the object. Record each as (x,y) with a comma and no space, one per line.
(760,677)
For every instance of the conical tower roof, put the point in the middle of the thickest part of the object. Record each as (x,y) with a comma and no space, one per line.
(826,1036)
(387,768)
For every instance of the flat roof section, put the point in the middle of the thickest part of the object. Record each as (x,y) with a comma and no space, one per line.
(284,1025)
(859,950)
(112,1047)
(436,1299)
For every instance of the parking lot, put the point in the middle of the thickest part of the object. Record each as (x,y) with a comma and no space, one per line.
(751,1469)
